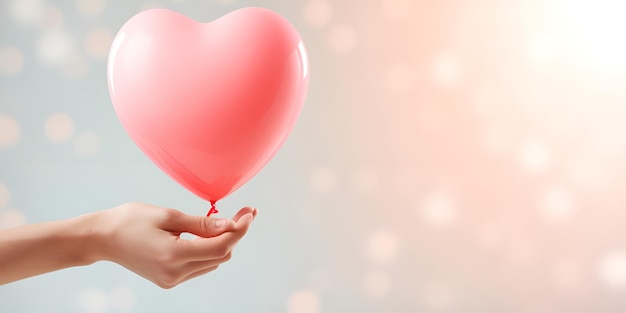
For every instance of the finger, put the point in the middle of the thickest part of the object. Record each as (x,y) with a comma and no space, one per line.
(219,246)
(199,265)
(201,226)
(243,212)
(199,273)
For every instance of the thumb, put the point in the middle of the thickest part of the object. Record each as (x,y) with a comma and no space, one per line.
(203,226)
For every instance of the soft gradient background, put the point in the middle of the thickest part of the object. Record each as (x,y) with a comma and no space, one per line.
(452,156)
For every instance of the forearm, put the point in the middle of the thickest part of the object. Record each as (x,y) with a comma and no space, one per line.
(45,247)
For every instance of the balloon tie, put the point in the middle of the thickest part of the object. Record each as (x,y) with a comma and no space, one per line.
(212,210)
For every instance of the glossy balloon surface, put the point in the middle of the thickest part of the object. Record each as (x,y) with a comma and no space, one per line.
(208,103)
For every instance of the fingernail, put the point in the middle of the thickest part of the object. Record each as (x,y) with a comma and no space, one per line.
(254,212)
(219,223)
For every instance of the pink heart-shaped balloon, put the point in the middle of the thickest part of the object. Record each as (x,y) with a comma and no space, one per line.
(209,103)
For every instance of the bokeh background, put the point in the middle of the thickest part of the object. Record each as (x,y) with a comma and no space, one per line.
(452,156)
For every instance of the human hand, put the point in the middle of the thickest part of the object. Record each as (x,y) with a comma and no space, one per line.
(146,240)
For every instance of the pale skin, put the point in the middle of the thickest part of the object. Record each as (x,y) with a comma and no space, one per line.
(140,237)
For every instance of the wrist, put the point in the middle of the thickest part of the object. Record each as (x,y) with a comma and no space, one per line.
(88,235)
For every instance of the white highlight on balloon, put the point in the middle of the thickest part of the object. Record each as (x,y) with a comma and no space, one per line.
(376,284)
(11,61)
(382,247)
(303,301)
(115,47)
(342,39)
(9,131)
(87,144)
(59,127)
(304,59)
(318,13)
(612,269)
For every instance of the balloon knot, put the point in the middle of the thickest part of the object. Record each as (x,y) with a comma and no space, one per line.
(212,210)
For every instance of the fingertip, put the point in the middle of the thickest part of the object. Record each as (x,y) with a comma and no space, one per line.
(246,219)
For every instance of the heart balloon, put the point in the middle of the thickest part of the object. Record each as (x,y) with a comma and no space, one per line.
(209,103)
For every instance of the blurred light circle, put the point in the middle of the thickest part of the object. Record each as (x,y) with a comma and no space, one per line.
(382,247)
(28,12)
(446,71)
(52,18)
(122,299)
(94,300)
(318,13)
(342,39)
(303,301)
(11,61)
(98,43)
(54,47)
(534,156)
(439,209)
(59,127)
(612,269)
(376,284)
(5,195)
(87,144)
(323,180)
(89,7)
(11,218)
(9,131)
